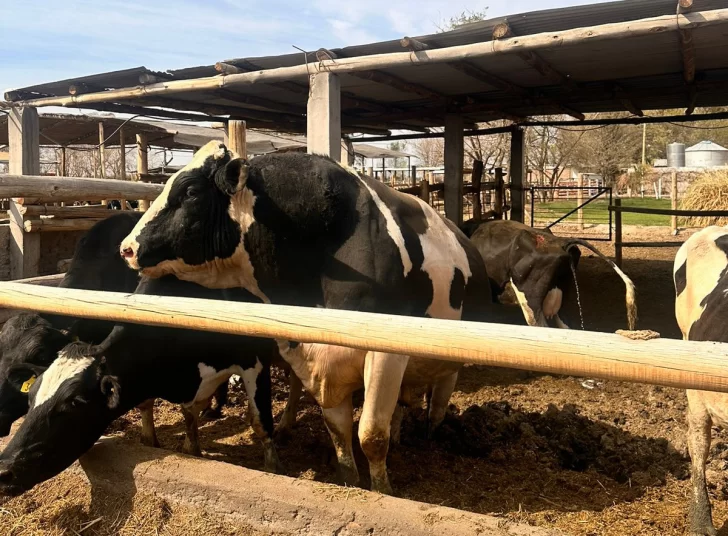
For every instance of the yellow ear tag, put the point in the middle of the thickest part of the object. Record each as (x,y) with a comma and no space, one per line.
(28,384)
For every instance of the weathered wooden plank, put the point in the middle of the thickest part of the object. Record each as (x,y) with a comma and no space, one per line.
(52,189)
(454,154)
(56,225)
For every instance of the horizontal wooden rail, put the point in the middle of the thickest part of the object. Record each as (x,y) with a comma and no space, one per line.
(44,189)
(514,45)
(683,364)
(651,244)
(669,212)
(92,211)
(57,225)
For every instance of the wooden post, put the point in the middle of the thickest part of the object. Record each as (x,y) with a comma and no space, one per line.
(237,141)
(348,156)
(580,200)
(477,177)
(413,175)
(323,117)
(454,152)
(24,149)
(425,191)
(384,169)
(122,162)
(618,233)
(102,156)
(674,195)
(370,171)
(142,163)
(498,195)
(64,167)
(517,172)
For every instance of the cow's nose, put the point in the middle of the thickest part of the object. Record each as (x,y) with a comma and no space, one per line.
(6,475)
(127,253)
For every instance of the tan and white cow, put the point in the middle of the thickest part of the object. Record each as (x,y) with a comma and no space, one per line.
(298,229)
(700,274)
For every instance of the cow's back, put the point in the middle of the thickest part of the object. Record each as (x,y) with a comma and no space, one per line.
(701,283)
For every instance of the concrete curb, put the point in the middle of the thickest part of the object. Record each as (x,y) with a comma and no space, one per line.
(276,503)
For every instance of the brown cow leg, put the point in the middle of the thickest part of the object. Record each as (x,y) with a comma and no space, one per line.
(699,423)
(295,388)
(192,439)
(149,434)
(340,423)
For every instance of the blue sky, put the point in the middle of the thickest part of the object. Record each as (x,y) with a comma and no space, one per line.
(79,37)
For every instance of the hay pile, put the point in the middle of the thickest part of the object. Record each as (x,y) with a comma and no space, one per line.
(709,192)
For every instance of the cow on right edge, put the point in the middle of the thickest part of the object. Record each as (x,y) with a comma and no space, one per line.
(700,274)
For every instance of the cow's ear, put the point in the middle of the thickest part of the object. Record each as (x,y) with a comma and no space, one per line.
(231,178)
(110,388)
(23,375)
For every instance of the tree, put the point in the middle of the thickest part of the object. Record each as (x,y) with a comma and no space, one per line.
(607,150)
(399,146)
(550,151)
(492,150)
(430,151)
(466,17)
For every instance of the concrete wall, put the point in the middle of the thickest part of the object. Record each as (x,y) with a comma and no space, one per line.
(53,248)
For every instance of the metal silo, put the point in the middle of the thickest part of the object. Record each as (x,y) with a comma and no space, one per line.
(706,154)
(676,155)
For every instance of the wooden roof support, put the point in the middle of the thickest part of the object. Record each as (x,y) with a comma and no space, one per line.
(626,101)
(692,99)
(413,44)
(473,71)
(683,6)
(261,102)
(688,54)
(397,83)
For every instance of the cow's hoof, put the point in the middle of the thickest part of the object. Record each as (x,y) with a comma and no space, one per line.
(211,414)
(272,464)
(382,485)
(192,450)
(347,476)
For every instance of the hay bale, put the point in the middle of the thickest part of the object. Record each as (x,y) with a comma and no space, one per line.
(709,192)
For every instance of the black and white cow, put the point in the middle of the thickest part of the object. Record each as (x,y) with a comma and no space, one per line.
(700,274)
(300,229)
(87,387)
(539,266)
(34,339)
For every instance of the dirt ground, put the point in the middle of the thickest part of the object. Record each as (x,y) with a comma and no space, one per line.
(586,457)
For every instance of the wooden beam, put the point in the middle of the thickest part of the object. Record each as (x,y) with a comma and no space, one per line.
(537,42)
(237,138)
(684,5)
(454,154)
(24,148)
(142,165)
(55,225)
(324,116)
(517,173)
(692,99)
(501,31)
(52,189)
(261,102)
(674,363)
(35,211)
(687,48)
(626,101)
(397,83)
(413,44)
(122,161)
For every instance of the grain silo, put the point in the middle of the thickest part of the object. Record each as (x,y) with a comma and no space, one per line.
(706,154)
(676,155)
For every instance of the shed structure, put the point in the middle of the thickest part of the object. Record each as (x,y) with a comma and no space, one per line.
(621,56)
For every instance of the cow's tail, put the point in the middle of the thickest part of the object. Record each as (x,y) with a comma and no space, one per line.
(630,297)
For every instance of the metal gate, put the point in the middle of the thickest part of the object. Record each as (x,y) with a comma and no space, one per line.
(574,211)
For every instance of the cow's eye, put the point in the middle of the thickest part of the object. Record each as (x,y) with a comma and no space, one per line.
(191,192)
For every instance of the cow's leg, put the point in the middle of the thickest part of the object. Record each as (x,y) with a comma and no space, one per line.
(382,381)
(149,434)
(699,423)
(295,388)
(258,388)
(395,430)
(214,411)
(560,323)
(191,414)
(440,397)
(340,423)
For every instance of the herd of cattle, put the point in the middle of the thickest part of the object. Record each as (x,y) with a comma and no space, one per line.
(298,229)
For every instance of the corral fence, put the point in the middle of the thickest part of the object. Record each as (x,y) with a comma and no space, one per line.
(618,210)
(574,211)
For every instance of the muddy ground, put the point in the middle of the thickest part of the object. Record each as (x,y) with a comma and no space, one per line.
(589,458)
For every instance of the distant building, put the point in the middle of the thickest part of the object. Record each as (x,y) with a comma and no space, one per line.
(706,154)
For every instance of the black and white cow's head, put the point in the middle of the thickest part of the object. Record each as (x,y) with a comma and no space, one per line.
(70,406)
(197,222)
(28,345)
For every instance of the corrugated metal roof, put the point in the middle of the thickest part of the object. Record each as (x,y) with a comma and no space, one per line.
(705,146)
(648,70)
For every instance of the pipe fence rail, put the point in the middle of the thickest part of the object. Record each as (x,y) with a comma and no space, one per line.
(674,363)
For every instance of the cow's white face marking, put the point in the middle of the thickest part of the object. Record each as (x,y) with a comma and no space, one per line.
(392,228)
(214,149)
(528,313)
(552,302)
(61,370)
(442,255)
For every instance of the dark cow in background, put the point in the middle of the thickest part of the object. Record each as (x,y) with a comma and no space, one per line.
(299,229)
(86,388)
(700,274)
(539,266)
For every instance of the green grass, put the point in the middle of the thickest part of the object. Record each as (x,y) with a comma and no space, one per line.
(596,211)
